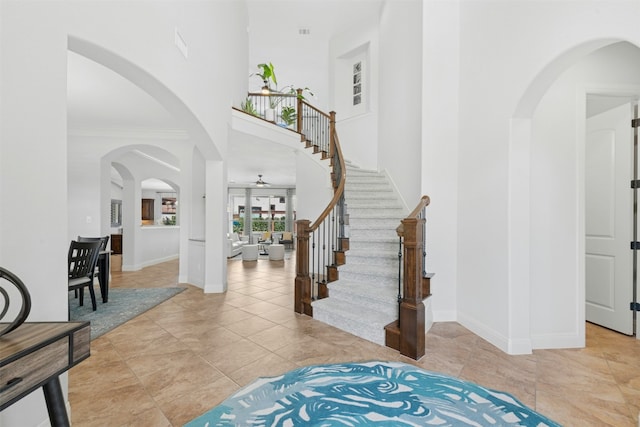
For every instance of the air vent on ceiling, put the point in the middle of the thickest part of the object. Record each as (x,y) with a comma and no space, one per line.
(304,31)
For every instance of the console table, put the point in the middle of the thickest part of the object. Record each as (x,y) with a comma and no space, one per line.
(34,355)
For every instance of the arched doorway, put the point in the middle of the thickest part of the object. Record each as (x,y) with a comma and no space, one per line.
(547,192)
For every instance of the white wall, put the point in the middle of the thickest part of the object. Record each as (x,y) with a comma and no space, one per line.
(33,169)
(357,125)
(313,187)
(557,183)
(33,133)
(503,55)
(440,116)
(400,102)
(299,60)
(159,244)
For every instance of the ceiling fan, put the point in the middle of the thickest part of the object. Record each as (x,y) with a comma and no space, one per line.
(261,183)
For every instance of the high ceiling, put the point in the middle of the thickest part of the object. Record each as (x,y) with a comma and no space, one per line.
(98,98)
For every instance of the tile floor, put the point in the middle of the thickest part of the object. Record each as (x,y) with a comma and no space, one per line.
(181,358)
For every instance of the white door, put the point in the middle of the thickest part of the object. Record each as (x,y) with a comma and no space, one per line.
(609,216)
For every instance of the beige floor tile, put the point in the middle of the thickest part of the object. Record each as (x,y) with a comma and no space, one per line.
(188,354)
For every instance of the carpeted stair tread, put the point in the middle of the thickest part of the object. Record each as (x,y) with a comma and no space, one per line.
(368,275)
(364,299)
(377,257)
(384,213)
(368,188)
(377,237)
(365,294)
(376,226)
(367,180)
(367,324)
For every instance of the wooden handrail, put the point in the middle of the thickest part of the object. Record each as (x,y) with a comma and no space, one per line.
(338,192)
(318,131)
(423,203)
(307,231)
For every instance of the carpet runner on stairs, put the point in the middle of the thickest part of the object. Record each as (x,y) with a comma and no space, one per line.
(364,299)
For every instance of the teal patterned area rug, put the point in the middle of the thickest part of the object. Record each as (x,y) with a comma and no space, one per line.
(124,304)
(365,394)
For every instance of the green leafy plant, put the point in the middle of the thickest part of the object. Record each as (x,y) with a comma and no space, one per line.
(268,73)
(248,107)
(288,115)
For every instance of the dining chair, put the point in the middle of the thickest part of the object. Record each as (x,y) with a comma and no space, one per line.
(103,241)
(82,259)
(102,264)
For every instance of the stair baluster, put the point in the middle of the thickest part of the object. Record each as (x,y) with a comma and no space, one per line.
(320,132)
(399,277)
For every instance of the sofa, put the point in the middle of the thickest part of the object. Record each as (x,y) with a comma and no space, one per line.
(235,244)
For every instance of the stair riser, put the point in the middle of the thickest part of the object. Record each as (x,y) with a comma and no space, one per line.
(364,195)
(375,227)
(374,295)
(373,333)
(367,180)
(389,307)
(372,204)
(368,234)
(378,280)
(374,271)
(367,187)
(388,262)
(373,246)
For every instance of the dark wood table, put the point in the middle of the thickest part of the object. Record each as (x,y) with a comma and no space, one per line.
(103,274)
(34,355)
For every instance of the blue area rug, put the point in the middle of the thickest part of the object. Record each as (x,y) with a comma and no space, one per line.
(123,305)
(370,393)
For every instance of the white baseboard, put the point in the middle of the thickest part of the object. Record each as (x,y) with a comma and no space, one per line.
(445,316)
(484,332)
(563,340)
(136,267)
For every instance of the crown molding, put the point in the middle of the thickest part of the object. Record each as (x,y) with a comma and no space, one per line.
(129,133)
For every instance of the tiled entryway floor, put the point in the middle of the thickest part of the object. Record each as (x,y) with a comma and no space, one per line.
(181,358)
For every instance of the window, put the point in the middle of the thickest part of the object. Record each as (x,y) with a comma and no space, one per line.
(357,83)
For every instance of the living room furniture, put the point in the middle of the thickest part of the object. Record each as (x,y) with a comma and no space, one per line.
(34,355)
(102,267)
(250,253)
(287,239)
(82,260)
(235,244)
(262,247)
(276,252)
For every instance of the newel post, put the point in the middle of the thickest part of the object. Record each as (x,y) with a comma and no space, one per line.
(412,311)
(302,291)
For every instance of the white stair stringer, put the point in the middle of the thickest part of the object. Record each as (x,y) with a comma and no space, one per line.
(364,299)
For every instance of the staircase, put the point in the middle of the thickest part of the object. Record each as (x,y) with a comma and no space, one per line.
(365,297)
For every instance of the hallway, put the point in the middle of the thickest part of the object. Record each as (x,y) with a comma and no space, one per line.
(181,358)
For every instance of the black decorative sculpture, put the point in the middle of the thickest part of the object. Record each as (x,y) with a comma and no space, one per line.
(25,308)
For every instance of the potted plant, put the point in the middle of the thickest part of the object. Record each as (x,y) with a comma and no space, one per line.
(268,75)
(248,107)
(288,115)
